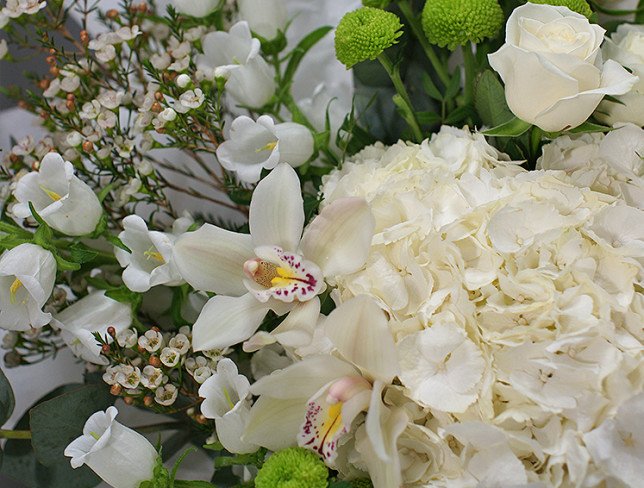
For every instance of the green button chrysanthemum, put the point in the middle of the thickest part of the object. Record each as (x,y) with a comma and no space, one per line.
(294,467)
(453,23)
(579,6)
(364,34)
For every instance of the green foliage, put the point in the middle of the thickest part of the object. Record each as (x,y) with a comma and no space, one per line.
(7,401)
(515,127)
(294,467)
(489,100)
(579,6)
(364,34)
(452,23)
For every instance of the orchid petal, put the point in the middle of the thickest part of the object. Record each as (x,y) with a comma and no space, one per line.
(212,259)
(277,210)
(303,379)
(339,238)
(359,330)
(274,423)
(225,321)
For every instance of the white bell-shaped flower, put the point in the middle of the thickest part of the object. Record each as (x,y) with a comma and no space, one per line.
(262,144)
(27,277)
(196,8)
(234,55)
(122,457)
(93,313)
(63,201)
(277,267)
(226,397)
(265,17)
(150,263)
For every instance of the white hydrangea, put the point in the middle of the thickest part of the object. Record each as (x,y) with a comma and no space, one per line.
(516,304)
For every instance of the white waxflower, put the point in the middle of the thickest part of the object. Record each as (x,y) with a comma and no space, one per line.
(150,263)
(202,374)
(106,443)
(181,343)
(127,338)
(278,266)
(27,277)
(226,397)
(92,314)
(128,376)
(151,341)
(166,395)
(265,17)
(189,100)
(63,201)
(111,99)
(74,138)
(234,55)
(170,356)
(151,377)
(441,367)
(617,445)
(15,8)
(160,61)
(111,374)
(262,144)
(196,8)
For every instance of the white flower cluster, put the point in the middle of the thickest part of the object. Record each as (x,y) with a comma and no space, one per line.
(514,299)
(15,8)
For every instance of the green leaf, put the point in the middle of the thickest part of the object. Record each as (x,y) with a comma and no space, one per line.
(80,253)
(300,51)
(459,115)
(7,400)
(192,484)
(64,265)
(587,127)
(454,86)
(428,118)
(21,464)
(431,89)
(339,484)
(515,127)
(124,295)
(489,100)
(105,191)
(117,242)
(57,422)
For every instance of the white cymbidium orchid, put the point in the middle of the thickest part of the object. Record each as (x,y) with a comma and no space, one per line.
(262,144)
(196,8)
(276,267)
(27,277)
(93,313)
(122,457)
(60,198)
(226,397)
(315,401)
(265,17)
(234,55)
(150,263)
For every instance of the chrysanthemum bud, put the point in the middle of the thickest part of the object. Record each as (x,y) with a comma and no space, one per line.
(453,23)
(579,6)
(364,34)
(294,466)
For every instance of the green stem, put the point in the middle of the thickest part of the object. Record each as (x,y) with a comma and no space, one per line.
(470,73)
(15,434)
(14,229)
(394,74)
(417,29)
(146,429)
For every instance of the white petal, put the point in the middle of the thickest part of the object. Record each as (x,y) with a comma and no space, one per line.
(274,424)
(360,331)
(212,259)
(277,210)
(338,240)
(225,321)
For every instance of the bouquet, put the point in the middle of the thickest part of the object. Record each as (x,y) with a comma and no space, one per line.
(423,269)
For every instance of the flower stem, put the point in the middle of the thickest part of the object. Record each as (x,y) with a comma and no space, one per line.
(470,73)
(417,29)
(15,434)
(407,108)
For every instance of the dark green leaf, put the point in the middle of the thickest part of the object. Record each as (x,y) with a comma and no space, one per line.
(589,127)
(64,265)
(20,463)
(300,51)
(117,242)
(428,118)
(512,128)
(81,254)
(339,484)
(124,295)
(192,484)
(489,100)
(105,191)
(7,401)
(431,89)
(57,422)
(454,85)
(459,115)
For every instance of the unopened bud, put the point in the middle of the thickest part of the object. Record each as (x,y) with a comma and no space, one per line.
(84,37)
(54,71)
(159,96)
(44,84)
(128,400)
(148,401)
(51,60)
(88,146)
(71,106)
(111,331)
(116,390)
(105,349)
(154,361)
(112,13)
(156,108)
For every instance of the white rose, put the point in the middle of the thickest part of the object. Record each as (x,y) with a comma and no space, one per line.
(196,8)
(626,46)
(552,67)
(265,17)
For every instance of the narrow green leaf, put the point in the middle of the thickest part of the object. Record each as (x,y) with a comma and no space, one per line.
(587,127)
(124,295)
(431,89)
(459,115)
(512,128)
(454,85)
(105,191)
(64,265)
(7,400)
(300,51)
(428,118)
(117,242)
